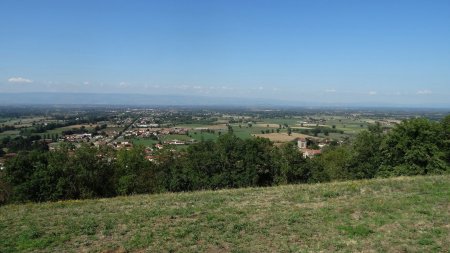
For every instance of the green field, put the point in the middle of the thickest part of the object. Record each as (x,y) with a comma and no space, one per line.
(12,133)
(23,121)
(199,136)
(406,214)
(246,132)
(289,121)
(61,129)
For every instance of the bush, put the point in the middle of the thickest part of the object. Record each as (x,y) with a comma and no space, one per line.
(5,189)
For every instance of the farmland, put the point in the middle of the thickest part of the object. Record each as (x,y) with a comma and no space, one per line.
(105,126)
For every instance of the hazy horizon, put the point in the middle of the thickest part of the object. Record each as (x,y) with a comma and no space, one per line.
(118,99)
(380,53)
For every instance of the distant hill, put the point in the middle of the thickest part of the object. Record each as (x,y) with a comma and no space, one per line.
(406,214)
(57,98)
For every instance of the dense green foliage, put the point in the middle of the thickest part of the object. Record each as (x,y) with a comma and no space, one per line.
(21,143)
(414,147)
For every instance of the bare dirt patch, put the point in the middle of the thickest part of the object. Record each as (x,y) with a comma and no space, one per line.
(282,137)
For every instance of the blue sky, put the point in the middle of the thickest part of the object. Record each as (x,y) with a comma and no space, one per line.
(395,52)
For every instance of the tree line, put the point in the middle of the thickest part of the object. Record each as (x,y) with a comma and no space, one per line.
(414,147)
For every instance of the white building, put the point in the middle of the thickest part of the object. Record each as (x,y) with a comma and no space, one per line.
(301,143)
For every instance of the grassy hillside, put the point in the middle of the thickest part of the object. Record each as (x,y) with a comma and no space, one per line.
(401,214)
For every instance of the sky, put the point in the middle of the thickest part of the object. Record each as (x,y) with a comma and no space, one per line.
(374,51)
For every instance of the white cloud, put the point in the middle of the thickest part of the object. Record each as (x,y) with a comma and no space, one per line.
(183,87)
(372,93)
(424,92)
(124,84)
(330,90)
(19,80)
(86,83)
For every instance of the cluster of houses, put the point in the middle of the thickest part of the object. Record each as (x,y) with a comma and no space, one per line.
(302,145)
(77,139)
(123,122)
(99,140)
(121,145)
(84,137)
(389,122)
(175,142)
(149,132)
(150,155)
(140,132)
(308,124)
(145,122)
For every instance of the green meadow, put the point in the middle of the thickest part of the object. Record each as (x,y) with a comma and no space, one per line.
(405,214)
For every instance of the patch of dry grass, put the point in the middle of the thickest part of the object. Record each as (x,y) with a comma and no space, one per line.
(407,214)
(269,125)
(283,137)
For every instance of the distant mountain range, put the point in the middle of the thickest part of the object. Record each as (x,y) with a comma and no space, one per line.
(49,98)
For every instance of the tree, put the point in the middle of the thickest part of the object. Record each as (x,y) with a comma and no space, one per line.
(134,173)
(316,131)
(292,166)
(414,147)
(230,129)
(446,138)
(258,162)
(5,189)
(366,153)
(333,164)
(22,173)
(93,173)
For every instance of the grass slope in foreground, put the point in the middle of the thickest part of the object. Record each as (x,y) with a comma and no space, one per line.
(399,214)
